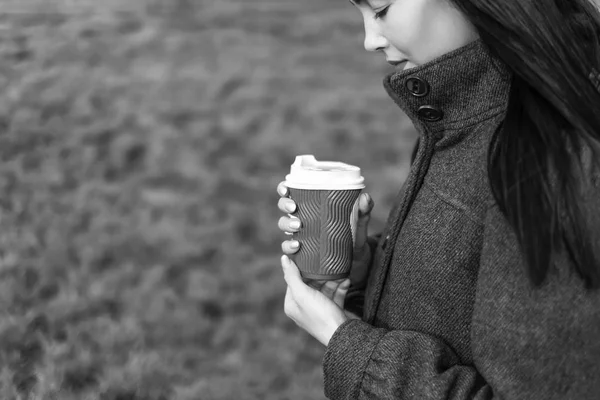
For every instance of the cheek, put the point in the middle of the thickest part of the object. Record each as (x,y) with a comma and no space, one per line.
(408,32)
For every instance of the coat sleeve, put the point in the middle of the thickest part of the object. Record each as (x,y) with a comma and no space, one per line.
(527,343)
(551,352)
(363,362)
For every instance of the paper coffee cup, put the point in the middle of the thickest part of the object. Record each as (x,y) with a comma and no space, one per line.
(326,196)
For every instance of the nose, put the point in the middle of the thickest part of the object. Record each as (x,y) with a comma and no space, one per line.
(374,40)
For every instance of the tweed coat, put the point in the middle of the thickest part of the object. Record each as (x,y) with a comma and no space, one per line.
(448,311)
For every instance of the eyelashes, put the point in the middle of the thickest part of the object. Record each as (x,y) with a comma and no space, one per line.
(380,14)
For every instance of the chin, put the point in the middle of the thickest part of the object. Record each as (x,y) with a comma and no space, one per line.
(408,65)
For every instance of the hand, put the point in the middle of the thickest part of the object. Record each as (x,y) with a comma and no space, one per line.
(319,313)
(362,252)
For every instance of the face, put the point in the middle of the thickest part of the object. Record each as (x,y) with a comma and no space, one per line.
(417,31)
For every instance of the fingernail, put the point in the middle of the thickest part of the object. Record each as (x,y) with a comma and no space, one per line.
(295,224)
(290,207)
(295,245)
(284,260)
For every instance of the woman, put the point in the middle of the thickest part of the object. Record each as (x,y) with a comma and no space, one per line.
(484,283)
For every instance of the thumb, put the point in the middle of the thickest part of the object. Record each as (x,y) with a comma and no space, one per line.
(291,274)
(365,205)
(340,294)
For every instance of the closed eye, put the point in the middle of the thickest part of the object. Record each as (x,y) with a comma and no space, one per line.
(381,13)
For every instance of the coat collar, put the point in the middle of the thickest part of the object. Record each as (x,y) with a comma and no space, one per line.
(453,92)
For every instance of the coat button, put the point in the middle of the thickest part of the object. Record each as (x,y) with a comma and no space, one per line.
(417,86)
(430,113)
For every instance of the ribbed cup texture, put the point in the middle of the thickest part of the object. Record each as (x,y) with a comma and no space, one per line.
(327,235)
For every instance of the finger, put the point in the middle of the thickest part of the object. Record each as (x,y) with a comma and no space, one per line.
(289,224)
(330,288)
(340,294)
(365,205)
(351,315)
(316,284)
(282,189)
(292,276)
(286,205)
(290,246)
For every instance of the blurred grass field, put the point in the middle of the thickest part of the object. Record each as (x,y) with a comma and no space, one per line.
(141,146)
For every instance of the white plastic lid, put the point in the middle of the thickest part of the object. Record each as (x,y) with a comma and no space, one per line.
(308,173)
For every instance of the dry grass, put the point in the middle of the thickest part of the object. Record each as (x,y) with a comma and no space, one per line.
(141,147)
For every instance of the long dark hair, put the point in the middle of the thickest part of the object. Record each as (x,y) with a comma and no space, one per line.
(552,121)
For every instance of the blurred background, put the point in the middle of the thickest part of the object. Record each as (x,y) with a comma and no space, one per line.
(141,144)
